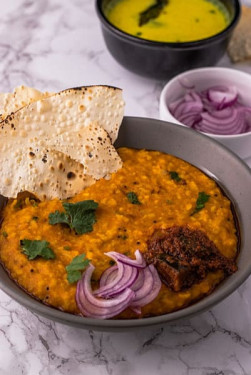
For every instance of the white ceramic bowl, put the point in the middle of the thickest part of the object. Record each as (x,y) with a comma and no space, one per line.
(203,79)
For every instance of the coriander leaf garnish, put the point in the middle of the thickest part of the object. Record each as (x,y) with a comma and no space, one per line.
(174,176)
(133,198)
(36,248)
(152,12)
(82,215)
(79,216)
(201,201)
(5,234)
(74,269)
(59,218)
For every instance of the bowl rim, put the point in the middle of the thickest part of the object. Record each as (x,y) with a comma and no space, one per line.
(198,307)
(182,45)
(163,104)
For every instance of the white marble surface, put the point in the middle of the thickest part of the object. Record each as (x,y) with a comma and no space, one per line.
(52,45)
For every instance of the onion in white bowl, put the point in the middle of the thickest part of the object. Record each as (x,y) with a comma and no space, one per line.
(203,79)
(216,110)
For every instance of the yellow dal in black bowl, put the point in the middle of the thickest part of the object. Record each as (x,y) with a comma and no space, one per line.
(161,38)
(169,20)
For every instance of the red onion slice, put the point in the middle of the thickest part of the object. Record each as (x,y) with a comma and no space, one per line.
(186,108)
(138,263)
(121,286)
(174,105)
(233,123)
(222,97)
(126,275)
(215,110)
(190,119)
(119,277)
(138,284)
(149,290)
(108,275)
(145,289)
(115,287)
(91,306)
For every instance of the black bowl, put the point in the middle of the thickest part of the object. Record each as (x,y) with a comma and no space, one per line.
(164,60)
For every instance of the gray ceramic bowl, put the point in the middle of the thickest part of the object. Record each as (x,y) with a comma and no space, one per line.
(211,157)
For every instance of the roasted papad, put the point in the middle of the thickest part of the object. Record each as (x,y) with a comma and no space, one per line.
(20,97)
(90,146)
(75,127)
(47,173)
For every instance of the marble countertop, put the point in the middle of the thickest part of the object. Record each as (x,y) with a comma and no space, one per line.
(52,45)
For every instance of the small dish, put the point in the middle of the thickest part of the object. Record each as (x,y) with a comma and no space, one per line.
(203,79)
(162,60)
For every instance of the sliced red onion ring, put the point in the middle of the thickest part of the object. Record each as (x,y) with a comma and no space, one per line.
(119,277)
(91,306)
(126,275)
(108,275)
(187,107)
(146,287)
(139,282)
(233,122)
(149,290)
(138,263)
(215,110)
(222,97)
(118,284)
(122,286)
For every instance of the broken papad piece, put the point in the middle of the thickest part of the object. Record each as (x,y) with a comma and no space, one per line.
(91,146)
(67,111)
(21,96)
(44,172)
(83,146)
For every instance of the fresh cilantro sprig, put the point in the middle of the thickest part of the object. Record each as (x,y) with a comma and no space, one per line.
(79,216)
(36,248)
(74,269)
(174,176)
(133,198)
(200,203)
